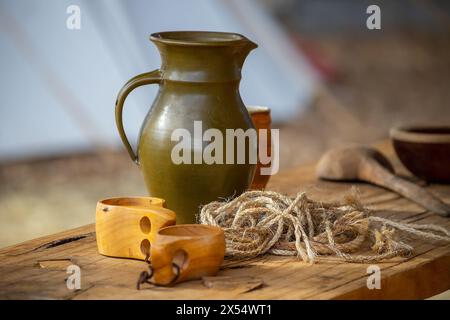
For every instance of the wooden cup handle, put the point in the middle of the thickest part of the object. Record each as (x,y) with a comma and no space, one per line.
(162,255)
(153,77)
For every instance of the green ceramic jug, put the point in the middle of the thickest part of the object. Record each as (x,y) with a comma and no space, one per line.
(198,81)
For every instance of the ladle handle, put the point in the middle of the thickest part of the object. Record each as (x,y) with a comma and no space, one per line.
(153,77)
(373,172)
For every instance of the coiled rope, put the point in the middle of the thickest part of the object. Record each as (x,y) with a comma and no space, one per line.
(259,222)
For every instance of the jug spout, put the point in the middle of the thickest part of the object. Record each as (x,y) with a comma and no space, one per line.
(202,56)
(244,50)
(250,45)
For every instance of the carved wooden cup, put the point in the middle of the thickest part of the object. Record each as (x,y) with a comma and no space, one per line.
(186,252)
(125,227)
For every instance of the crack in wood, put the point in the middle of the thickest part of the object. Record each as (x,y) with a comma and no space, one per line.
(59,263)
(56,243)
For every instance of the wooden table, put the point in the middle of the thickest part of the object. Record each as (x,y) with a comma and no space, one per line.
(36,269)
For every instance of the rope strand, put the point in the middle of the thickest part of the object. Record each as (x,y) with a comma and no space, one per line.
(259,222)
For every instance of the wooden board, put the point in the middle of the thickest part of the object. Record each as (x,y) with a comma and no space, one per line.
(37,269)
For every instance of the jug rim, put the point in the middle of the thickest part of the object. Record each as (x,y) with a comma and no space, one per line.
(199,38)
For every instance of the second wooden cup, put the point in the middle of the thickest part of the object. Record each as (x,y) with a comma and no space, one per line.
(186,252)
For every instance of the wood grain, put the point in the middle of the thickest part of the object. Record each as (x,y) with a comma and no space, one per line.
(36,269)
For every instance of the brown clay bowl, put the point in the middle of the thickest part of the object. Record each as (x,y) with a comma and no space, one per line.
(424,150)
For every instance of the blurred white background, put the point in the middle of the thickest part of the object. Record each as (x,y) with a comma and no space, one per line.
(58,86)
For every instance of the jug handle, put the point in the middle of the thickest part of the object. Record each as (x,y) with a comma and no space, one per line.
(153,77)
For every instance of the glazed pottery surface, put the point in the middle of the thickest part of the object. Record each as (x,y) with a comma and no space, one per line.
(262,121)
(198,81)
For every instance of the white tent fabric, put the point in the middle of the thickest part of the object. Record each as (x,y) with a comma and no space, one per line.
(58,86)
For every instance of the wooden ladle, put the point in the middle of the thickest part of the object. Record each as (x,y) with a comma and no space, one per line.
(367,164)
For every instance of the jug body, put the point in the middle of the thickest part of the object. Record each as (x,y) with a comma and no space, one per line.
(187,185)
(199,90)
